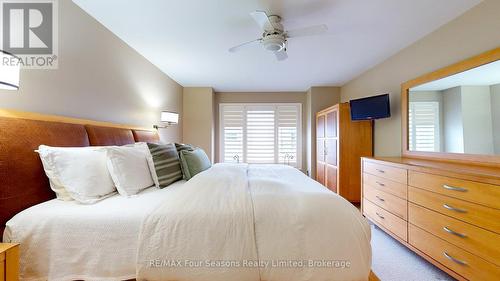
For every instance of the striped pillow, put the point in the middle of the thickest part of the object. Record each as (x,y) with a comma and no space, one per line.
(166,162)
(182,146)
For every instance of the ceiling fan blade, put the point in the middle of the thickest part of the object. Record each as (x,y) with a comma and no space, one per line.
(281,55)
(307,31)
(262,19)
(240,46)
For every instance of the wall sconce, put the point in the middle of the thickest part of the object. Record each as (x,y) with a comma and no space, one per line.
(168,118)
(9,71)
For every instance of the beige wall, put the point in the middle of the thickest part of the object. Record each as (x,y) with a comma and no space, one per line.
(474,32)
(198,126)
(99,77)
(477,120)
(453,121)
(317,99)
(276,97)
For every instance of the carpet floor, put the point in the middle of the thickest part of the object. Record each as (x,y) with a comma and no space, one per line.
(394,262)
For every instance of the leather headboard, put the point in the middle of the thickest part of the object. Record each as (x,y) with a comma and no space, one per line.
(109,136)
(23,181)
(146,136)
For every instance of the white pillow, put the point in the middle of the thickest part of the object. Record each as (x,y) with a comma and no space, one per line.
(149,158)
(79,173)
(129,169)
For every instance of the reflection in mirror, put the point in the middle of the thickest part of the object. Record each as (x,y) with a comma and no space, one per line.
(457,114)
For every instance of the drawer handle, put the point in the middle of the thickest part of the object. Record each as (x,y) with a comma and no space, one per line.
(454,209)
(381,171)
(461,262)
(461,235)
(381,199)
(455,188)
(379,183)
(379,215)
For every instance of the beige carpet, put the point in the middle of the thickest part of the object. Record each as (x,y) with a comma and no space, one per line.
(394,262)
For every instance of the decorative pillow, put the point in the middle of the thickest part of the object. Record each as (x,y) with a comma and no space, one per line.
(194,162)
(129,169)
(79,172)
(166,164)
(182,146)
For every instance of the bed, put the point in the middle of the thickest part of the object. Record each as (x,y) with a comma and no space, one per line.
(220,219)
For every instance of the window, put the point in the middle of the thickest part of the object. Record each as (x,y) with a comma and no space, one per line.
(423,124)
(260,133)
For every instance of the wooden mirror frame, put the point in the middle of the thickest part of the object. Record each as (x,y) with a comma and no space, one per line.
(482,59)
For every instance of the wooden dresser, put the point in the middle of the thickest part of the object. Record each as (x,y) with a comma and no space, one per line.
(340,143)
(447,213)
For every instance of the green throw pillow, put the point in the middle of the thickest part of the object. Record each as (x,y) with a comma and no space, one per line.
(194,162)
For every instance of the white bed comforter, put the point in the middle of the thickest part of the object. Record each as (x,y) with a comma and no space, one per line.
(64,240)
(257,222)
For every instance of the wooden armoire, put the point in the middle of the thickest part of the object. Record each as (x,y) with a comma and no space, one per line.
(340,144)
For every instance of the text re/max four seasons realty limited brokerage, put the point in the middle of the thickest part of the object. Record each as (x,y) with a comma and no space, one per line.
(250,263)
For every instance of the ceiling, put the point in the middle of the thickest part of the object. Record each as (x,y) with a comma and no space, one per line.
(485,75)
(188,40)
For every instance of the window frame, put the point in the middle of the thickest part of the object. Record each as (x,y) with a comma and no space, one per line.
(276,129)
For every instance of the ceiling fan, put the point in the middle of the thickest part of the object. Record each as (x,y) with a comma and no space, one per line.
(275,37)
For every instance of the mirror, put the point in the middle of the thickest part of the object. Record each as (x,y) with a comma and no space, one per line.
(456,114)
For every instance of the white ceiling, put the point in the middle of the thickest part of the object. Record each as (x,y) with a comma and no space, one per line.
(485,75)
(188,39)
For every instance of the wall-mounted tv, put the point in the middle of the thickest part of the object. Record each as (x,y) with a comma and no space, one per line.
(370,108)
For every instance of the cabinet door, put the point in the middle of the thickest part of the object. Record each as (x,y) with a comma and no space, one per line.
(331,152)
(320,173)
(331,124)
(320,126)
(331,177)
(320,150)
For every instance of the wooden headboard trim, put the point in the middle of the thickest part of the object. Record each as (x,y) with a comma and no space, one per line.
(63,119)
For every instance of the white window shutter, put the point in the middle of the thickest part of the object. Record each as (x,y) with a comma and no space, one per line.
(288,126)
(260,134)
(424,122)
(232,126)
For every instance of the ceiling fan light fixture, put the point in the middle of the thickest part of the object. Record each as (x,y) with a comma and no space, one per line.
(275,47)
(274,43)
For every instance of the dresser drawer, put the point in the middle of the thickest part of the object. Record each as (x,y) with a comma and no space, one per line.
(462,262)
(388,172)
(392,187)
(480,193)
(475,214)
(391,203)
(466,236)
(391,222)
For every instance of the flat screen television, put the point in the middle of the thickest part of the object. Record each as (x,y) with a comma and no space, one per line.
(370,108)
